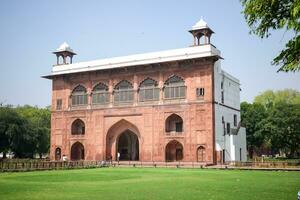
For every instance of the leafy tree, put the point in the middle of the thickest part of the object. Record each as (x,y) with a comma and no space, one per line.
(270,98)
(39,120)
(24,130)
(273,121)
(13,132)
(7,119)
(252,116)
(265,15)
(282,128)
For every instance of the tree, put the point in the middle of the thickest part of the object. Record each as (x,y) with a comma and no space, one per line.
(265,15)
(7,118)
(24,130)
(13,132)
(270,98)
(273,121)
(39,120)
(252,116)
(282,128)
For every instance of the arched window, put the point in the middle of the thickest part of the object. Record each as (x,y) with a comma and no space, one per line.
(100,94)
(123,92)
(174,123)
(148,90)
(78,127)
(201,154)
(57,153)
(174,88)
(79,96)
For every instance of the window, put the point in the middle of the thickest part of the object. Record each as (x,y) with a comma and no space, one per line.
(100,94)
(240,154)
(79,96)
(178,126)
(235,120)
(78,127)
(148,90)
(58,104)
(223,124)
(222,96)
(174,123)
(200,92)
(222,84)
(228,128)
(123,92)
(174,88)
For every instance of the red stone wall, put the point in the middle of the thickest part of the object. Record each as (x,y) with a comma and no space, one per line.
(147,120)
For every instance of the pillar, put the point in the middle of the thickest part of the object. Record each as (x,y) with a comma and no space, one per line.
(135,90)
(110,90)
(160,86)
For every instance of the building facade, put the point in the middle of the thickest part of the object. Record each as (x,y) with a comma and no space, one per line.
(175,105)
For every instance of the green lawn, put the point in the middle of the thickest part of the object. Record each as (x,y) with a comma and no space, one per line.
(154,183)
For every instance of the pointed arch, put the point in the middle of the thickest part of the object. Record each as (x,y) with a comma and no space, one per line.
(79,88)
(77,151)
(100,94)
(57,153)
(174,151)
(79,95)
(148,90)
(174,79)
(123,92)
(123,85)
(174,87)
(174,123)
(148,82)
(100,87)
(78,127)
(113,136)
(201,154)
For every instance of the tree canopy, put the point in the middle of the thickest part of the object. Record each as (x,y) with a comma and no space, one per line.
(263,16)
(24,130)
(270,98)
(273,123)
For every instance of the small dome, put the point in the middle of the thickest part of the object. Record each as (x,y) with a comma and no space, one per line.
(64,47)
(201,24)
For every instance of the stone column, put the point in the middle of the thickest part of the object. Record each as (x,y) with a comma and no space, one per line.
(160,86)
(135,90)
(110,90)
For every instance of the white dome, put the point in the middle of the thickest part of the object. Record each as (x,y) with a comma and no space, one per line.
(64,47)
(201,24)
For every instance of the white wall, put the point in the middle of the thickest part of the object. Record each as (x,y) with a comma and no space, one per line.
(231,106)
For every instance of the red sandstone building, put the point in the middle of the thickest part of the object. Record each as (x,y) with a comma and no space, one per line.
(175,105)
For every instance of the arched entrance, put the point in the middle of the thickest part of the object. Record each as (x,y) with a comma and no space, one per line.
(128,146)
(77,151)
(201,154)
(57,153)
(123,137)
(174,151)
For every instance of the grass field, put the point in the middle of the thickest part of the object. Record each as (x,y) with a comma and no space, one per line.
(154,183)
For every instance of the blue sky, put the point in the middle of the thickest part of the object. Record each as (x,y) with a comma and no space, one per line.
(31,30)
